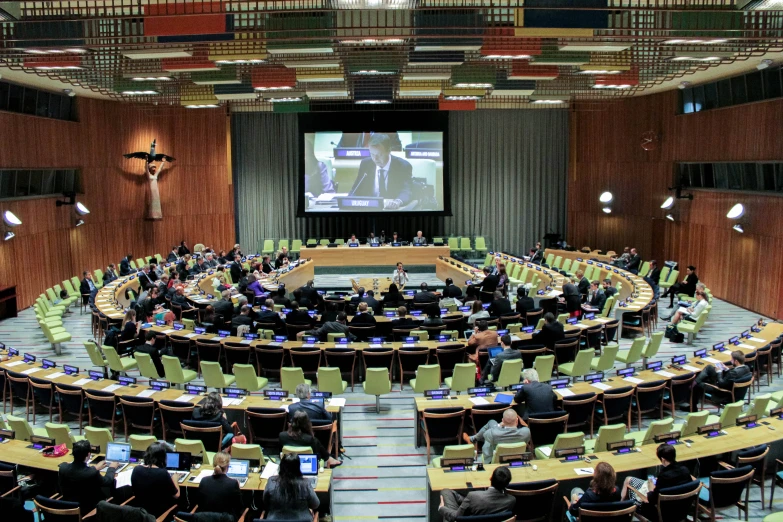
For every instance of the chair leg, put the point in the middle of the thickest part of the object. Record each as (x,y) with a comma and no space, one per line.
(377,404)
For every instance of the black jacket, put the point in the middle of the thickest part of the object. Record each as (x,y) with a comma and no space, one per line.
(310,296)
(84,287)
(299,317)
(500,307)
(373,303)
(404,323)
(125,267)
(242,320)
(236,271)
(225,308)
(549,334)
(730,377)
(82,483)
(270,316)
(538,397)
(689,287)
(633,263)
(314,411)
(591,497)
(181,301)
(584,286)
(672,475)
(452,291)
(220,494)
(525,304)
(598,300)
(490,283)
(362,319)
(424,298)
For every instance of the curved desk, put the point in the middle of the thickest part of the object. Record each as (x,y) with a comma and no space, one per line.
(383,255)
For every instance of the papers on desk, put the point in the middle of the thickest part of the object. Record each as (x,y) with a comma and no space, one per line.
(664,373)
(204,473)
(582,326)
(170,330)
(185,398)
(81,382)
(270,470)
(515,338)
(584,471)
(603,319)
(312,345)
(478,401)
(746,346)
(124,478)
(15,363)
(246,341)
(601,386)
(190,335)
(564,392)
(634,380)
(372,345)
(756,340)
(31,370)
(337,402)
(55,375)
(409,345)
(146,393)
(710,360)
(545,450)
(690,368)
(112,387)
(232,402)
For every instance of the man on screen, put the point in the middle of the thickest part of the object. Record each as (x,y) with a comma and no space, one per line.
(384,175)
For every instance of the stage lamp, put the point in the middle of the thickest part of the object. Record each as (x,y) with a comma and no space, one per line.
(736,212)
(10,219)
(606,197)
(607,210)
(669,203)
(8,235)
(79,222)
(81,209)
(738,227)
(670,217)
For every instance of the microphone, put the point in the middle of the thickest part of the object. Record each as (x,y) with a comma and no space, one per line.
(357,185)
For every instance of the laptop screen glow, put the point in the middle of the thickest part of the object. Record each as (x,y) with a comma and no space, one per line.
(238,468)
(308,464)
(118,452)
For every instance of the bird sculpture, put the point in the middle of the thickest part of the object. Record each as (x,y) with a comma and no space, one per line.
(149,156)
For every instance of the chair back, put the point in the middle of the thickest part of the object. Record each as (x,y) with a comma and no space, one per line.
(265,425)
(377,381)
(727,485)
(236,353)
(51,510)
(756,457)
(146,367)
(250,452)
(510,372)
(608,434)
(71,399)
(529,354)
(20,426)
(326,433)
(101,405)
(98,437)
(610,328)
(580,409)
(506,516)
(502,450)
(449,356)
(565,350)
(246,377)
(481,414)
(411,358)
(213,374)
(308,359)
(740,388)
(172,369)
(330,380)
(649,396)
(427,378)
(172,413)
(677,502)
(461,451)
(616,404)
(138,412)
(464,377)
(61,434)
(693,422)
(652,347)
(210,433)
(617,511)
(378,358)
(657,427)
(545,427)
(544,364)
(444,425)
(681,389)
(290,378)
(535,500)
(269,361)
(342,358)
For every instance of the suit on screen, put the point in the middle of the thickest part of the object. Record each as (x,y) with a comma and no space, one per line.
(398,184)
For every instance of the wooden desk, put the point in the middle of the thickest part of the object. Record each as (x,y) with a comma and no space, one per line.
(365,255)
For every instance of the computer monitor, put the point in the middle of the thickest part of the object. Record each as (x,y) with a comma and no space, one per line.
(308,464)
(116,452)
(238,468)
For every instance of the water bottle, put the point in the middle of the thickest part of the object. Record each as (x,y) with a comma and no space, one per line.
(321,466)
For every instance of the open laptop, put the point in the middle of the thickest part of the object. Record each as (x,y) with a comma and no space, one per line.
(238,470)
(309,466)
(119,454)
(177,462)
(494,352)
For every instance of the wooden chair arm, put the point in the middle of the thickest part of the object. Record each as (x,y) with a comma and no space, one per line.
(706,384)
(165,516)
(195,508)
(128,501)
(725,465)
(56,496)
(242,518)
(638,493)
(567,502)
(7,493)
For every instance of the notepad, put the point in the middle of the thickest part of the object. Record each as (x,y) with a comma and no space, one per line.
(547,451)
(81,382)
(504,398)
(563,392)
(584,471)
(246,341)
(185,398)
(691,368)
(337,402)
(603,319)
(743,345)
(233,402)
(711,360)
(601,386)
(756,340)
(479,401)
(55,375)
(112,387)
(15,363)
(634,380)
(409,345)
(270,470)
(201,475)
(124,478)
(190,335)
(31,370)
(664,373)
(170,330)
(374,345)
(146,393)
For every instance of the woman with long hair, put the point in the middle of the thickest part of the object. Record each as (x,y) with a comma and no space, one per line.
(152,486)
(602,489)
(300,433)
(393,297)
(502,279)
(212,411)
(477,312)
(288,496)
(254,286)
(130,328)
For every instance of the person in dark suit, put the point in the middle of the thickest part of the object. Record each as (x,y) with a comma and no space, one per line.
(363,317)
(236,269)
(150,349)
(183,249)
(537,396)
(490,283)
(500,305)
(403,322)
(125,266)
(709,375)
(373,303)
(480,502)
(653,278)
(597,299)
(87,287)
(609,290)
(571,300)
(300,433)
(584,284)
(551,332)
(173,255)
(310,296)
(317,177)
(110,274)
(298,316)
(280,298)
(673,474)
(492,368)
(179,298)
(82,483)
(323,332)
(383,175)
(198,267)
(393,297)
(268,315)
(315,412)
(146,278)
(224,306)
(266,266)
(537,254)
(524,303)
(419,239)
(372,240)
(452,290)
(358,297)
(634,262)
(219,493)
(243,319)
(424,296)
(686,286)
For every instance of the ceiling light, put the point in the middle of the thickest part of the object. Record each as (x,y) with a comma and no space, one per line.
(696,41)
(371,72)
(550,102)
(8,235)
(413,76)
(327,94)
(670,217)
(701,57)
(607,210)
(669,203)
(10,219)
(372,102)
(601,71)
(764,64)
(140,93)
(79,222)
(157,54)
(151,78)
(373,41)
(285,99)
(312,64)
(228,62)
(462,98)
(612,86)
(606,197)
(507,57)
(736,212)
(81,209)
(299,49)
(205,106)
(282,88)
(683,85)
(738,227)
(473,85)
(595,47)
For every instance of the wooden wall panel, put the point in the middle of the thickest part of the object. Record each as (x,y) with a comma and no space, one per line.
(746,269)
(196,190)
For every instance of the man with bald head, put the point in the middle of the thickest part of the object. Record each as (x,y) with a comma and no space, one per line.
(511,430)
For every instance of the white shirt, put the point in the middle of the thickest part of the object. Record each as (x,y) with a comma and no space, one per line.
(399,277)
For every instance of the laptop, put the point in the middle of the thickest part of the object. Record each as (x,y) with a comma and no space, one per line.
(494,352)
(238,470)
(177,462)
(117,453)
(308,464)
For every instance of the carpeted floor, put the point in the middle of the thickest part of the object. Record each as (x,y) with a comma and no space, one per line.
(384,475)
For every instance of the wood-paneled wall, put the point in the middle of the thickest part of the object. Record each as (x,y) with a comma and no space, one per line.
(196,189)
(745,269)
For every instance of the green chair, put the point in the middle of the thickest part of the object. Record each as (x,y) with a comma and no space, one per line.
(580,366)
(214,376)
(427,378)
(453,244)
(605,362)
(332,337)
(141,442)
(508,449)
(146,366)
(290,378)
(645,269)
(247,379)
(55,338)
(339,241)
(606,435)
(248,452)
(608,306)
(377,382)
(563,441)
(190,324)
(481,245)
(670,281)
(61,434)
(544,364)
(461,451)
(562,318)
(324,242)
(71,289)
(296,450)
(312,241)
(760,405)
(296,246)
(464,377)
(22,428)
(438,240)
(116,363)
(464,245)
(632,355)
(421,334)
(551,259)
(566,265)
(693,421)
(510,373)
(652,347)
(269,247)
(174,372)
(195,448)
(557,262)
(728,416)
(330,380)
(98,437)
(657,427)
(95,356)
(692,329)
(282,243)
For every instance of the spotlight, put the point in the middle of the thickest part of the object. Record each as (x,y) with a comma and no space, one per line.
(738,228)
(683,85)
(81,209)
(606,197)
(669,203)
(10,219)
(69,92)
(764,64)
(607,210)
(736,212)
(670,217)
(8,235)
(79,222)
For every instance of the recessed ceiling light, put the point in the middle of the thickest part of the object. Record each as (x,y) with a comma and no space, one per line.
(607,210)
(507,57)
(151,78)
(81,209)
(373,102)
(227,62)
(284,99)
(139,93)
(204,106)
(157,54)
(10,219)
(736,212)
(738,227)
(606,197)
(283,88)
(550,102)
(462,98)
(473,85)
(670,217)
(669,203)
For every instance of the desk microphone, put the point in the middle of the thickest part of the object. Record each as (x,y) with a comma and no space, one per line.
(357,185)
